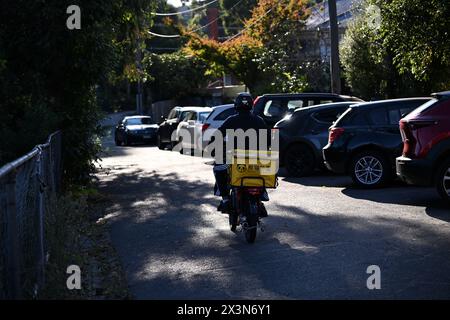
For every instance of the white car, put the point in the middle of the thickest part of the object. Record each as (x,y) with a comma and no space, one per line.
(189,129)
(215,119)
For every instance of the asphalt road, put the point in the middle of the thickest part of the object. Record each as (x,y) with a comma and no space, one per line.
(320,237)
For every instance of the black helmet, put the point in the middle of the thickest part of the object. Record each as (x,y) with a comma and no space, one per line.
(243,102)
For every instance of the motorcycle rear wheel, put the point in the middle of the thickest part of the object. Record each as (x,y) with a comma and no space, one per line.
(233,219)
(250,235)
(252,220)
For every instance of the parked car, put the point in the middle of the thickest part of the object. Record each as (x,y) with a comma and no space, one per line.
(169,125)
(215,119)
(303,135)
(191,126)
(365,140)
(274,107)
(426,145)
(135,129)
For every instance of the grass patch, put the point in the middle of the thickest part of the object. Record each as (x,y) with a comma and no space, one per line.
(74,237)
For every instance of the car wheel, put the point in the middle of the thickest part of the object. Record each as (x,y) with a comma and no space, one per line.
(443,180)
(126,141)
(299,161)
(180,143)
(370,169)
(159,142)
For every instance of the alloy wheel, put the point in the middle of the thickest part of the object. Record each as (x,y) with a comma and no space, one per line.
(446,181)
(368,170)
(299,161)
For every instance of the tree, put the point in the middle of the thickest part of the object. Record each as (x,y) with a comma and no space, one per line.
(418,33)
(262,57)
(363,60)
(405,54)
(166,26)
(49,75)
(174,75)
(235,14)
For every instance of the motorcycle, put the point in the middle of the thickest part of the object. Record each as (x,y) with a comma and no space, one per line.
(246,211)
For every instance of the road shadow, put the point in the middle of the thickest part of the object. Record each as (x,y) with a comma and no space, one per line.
(318,179)
(407,195)
(440,211)
(109,148)
(174,245)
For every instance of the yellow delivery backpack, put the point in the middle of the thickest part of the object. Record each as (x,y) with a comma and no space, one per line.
(252,168)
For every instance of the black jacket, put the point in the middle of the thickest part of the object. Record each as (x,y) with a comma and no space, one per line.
(245,120)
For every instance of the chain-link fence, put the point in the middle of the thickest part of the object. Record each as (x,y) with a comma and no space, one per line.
(27,187)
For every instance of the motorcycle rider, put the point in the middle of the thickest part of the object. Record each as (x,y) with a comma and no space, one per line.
(244,119)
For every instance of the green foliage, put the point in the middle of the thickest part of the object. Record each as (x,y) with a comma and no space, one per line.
(49,74)
(235,13)
(279,32)
(261,58)
(164,25)
(407,54)
(174,75)
(418,32)
(364,70)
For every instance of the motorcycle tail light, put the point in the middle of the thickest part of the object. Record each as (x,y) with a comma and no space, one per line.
(254,191)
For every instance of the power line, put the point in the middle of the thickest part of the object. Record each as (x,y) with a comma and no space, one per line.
(183,12)
(251,25)
(164,35)
(198,29)
(219,17)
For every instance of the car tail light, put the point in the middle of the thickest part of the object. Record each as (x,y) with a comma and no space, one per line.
(256,101)
(334,134)
(407,130)
(275,134)
(409,142)
(205,126)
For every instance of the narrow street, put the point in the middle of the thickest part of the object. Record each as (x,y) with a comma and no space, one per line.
(320,237)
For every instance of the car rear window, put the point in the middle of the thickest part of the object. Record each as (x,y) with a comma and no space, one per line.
(328,116)
(353,117)
(202,116)
(424,107)
(173,114)
(225,114)
(275,108)
(324,101)
(183,115)
(294,104)
(378,117)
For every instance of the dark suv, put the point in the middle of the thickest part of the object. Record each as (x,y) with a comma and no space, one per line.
(303,135)
(426,145)
(274,107)
(169,125)
(365,140)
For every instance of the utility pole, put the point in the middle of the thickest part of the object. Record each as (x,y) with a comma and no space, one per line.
(334,36)
(139,106)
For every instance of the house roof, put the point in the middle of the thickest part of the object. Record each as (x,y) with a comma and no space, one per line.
(320,17)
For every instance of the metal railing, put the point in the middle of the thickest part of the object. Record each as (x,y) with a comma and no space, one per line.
(27,187)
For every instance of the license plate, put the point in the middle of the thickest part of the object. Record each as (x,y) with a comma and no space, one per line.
(147,136)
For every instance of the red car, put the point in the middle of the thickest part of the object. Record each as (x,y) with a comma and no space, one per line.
(426,145)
